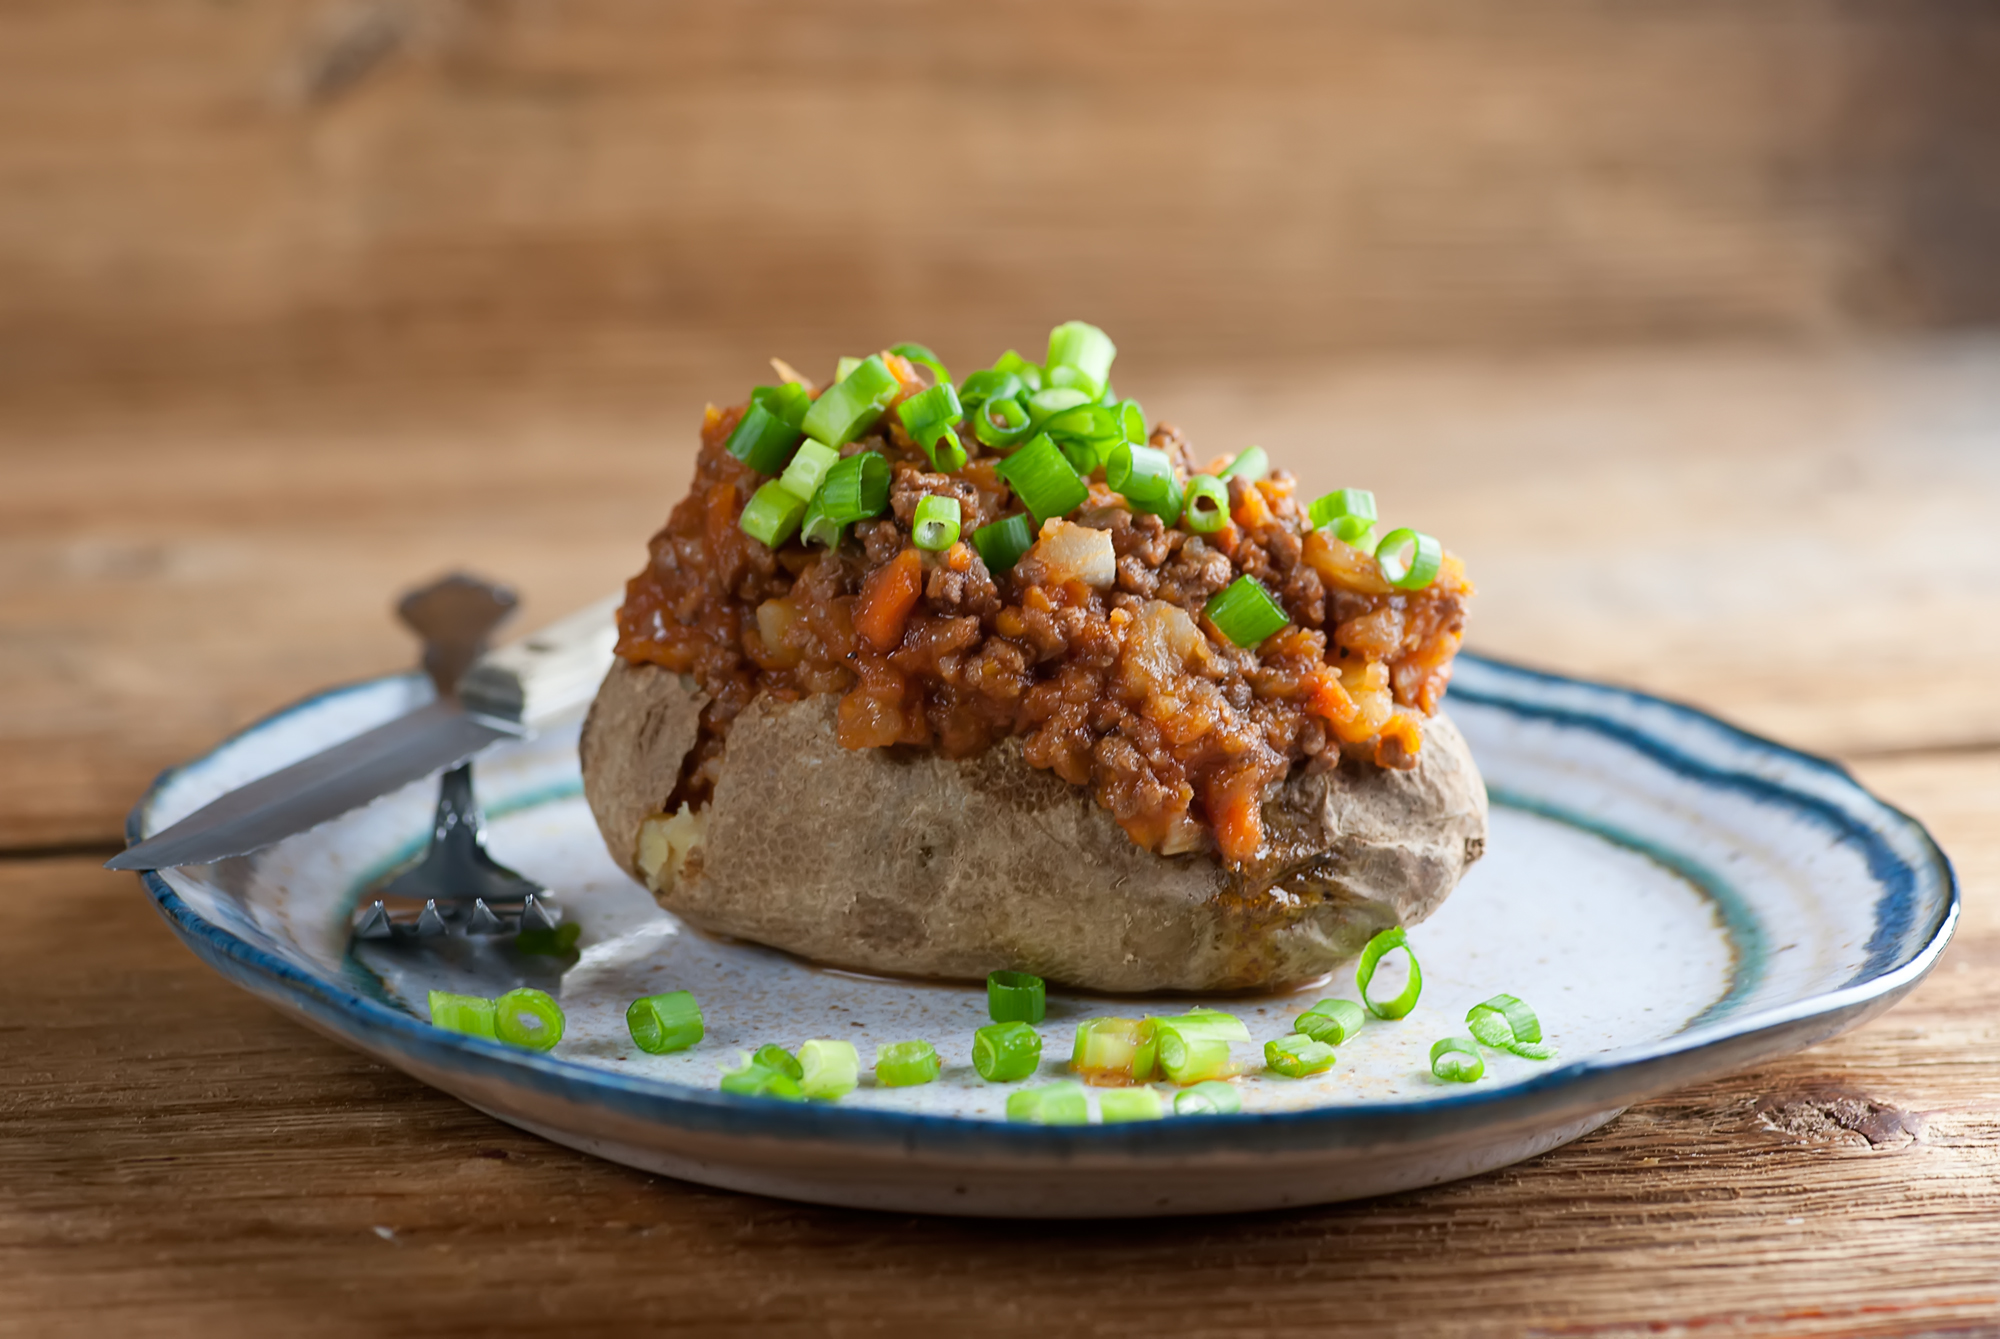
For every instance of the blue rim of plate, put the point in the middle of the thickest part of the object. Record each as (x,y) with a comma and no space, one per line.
(1599,1083)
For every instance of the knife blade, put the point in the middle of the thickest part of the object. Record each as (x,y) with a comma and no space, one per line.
(507,694)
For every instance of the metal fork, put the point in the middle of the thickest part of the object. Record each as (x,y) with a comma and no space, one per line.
(455,887)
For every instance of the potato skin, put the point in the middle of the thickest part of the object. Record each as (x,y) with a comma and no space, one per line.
(905,862)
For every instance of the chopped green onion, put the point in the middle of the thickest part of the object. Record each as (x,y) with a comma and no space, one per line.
(529,1018)
(935,526)
(663,1023)
(1146,478)
(1331,1021)
(818,527)
(807,471)
(788,401)
(855,489)
(1211,1097)
(1119,1105)
(1118,1048)
(1195,1046)
(1083,347)
(1389,941)
(991,384)
(1045,405)
(556,942)
(763,440)
(852,405)
(1004,1052)
(843,366)
(1043,480)
(906,1064)
(1051,1104)
(774,1056)
(1409,559)
(1001,423)
(1506,1024)
(923,357)
(1132,422)
(469,1014)
(1354,505)
(1244,612)
(1016,997)
(946,452)
(927,409)
(1001,543)
(755,1080)
(1071,378)
(830,1069)
(1029,373)
(1457,1060)
(1250,465)
(772,514)
(1207,505)
(1297,1056)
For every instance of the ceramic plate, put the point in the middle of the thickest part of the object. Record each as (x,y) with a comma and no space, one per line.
(1674,897)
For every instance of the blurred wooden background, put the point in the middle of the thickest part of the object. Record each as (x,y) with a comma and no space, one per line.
(222,192)
(1680,319)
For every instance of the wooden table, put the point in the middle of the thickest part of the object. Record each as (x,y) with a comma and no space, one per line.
(1807,542)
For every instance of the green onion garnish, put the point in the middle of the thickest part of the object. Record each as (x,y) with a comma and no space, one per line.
(1085,348)
(1119,1105)
(774,1056)
(1457,1060)
(929,418)
(529,1018)
(1331,1021)
(1195,1046)
(842,366)
(1029,373)
(856,488)
(923,357)
(852,406)
(1046,404)
(772,515)
(1071,379)
(1388,941)
(1001,543)
(1207,504)
(755,1080)
(1244,612)
(787,400)
(1005,1052)
(1120,1048)
(1051,1104)
(1409,559)
(1043,480)
(763,440)
(1002,423)
(1350,511)
(469,1014)
(807,471)
(663,1023)
(1015,997)
(906,1064)
(1296,1056)
(818,527)
(991,384)
(1132,422)
(559,942)
(1250,465)
(1145,477)
(1506,1024)
(935,525)
(1209,1098)
(831,1069)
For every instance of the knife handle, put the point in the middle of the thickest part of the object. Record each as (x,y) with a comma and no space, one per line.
(548,674)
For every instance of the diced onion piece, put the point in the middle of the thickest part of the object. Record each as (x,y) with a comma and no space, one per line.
(1016,997)
(1070,552)
(661,1024)
(831,1069)
(1457,1060)
(1387,942)
(1006,1052)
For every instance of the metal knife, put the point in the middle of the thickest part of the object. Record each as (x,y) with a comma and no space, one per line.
(483,697)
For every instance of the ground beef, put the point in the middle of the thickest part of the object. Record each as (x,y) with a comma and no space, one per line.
(1126,690)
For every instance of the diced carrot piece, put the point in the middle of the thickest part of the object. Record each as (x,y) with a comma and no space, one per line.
(1252,513)
(887,597)
(1239,823)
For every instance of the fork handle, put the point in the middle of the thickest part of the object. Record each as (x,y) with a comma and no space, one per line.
(546,675)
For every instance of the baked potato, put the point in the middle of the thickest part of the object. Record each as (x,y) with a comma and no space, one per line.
(935,685)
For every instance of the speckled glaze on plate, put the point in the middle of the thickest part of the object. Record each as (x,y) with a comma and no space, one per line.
(1676,899)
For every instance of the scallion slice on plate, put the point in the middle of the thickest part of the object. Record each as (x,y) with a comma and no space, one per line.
(1331,1021)
(1297,1056)
(1119,1105)
(1061,1103)
(1006,1052)
(1016,997)
(1506,1024)
(1457,1060)
(471,1015)
(773,1056)
(1212,1097)
(661,1024)
(528,1018)
(1118,1049)
(755,1080)
(1382,944)
(829,1070)
(905,1064)
(1195,1046)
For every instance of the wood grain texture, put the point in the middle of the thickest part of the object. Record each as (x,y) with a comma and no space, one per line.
(179,1159)
(294,191)
(1803,541)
